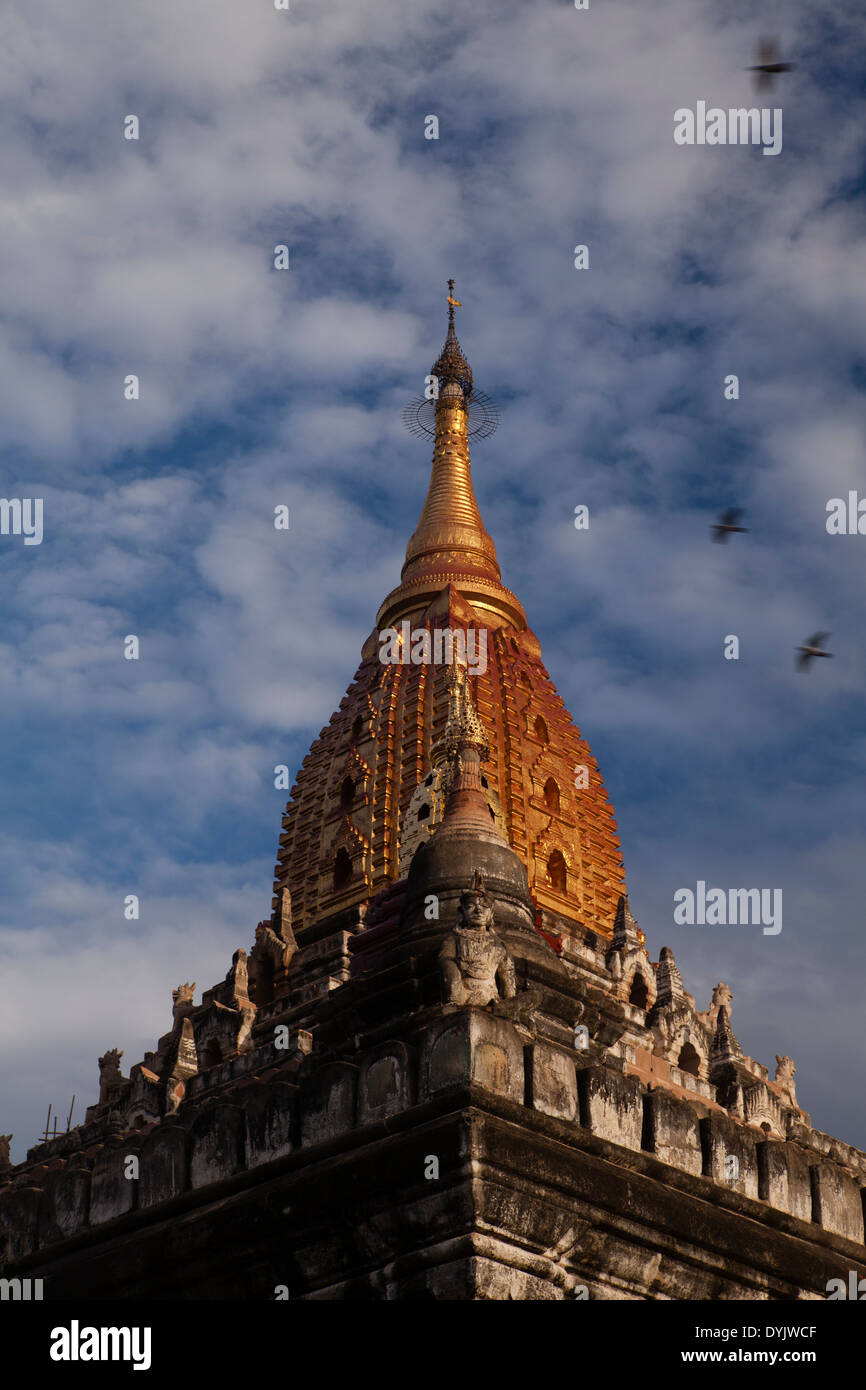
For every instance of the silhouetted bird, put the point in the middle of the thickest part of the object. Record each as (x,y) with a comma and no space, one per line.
(812,648)
(768,66)
(727,523)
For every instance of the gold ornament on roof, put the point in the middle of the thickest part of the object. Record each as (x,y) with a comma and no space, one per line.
(463,726)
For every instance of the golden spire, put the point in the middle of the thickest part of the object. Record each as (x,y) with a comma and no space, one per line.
(449,544)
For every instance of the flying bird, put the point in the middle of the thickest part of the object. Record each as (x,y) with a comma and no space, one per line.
(812,648)
(727,523)
(768,66)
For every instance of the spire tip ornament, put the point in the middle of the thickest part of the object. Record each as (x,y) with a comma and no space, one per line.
(451,368)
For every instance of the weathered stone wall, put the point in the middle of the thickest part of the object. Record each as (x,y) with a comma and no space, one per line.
(312,1108)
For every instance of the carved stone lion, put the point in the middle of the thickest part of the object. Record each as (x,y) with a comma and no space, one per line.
(722,999)
(181,998)
(785,1070)
(109,1065)
(109,1073)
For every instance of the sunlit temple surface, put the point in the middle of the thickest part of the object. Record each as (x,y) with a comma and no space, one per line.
(447,1066)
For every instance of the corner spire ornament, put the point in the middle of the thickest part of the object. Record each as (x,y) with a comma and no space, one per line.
(463,728)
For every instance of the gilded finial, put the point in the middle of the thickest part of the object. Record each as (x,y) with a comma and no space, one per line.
(451,365)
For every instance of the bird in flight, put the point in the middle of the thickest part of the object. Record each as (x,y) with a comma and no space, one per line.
(768,67)
(727,523)
(810,649)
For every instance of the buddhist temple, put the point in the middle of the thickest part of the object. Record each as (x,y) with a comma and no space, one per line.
(446,1066)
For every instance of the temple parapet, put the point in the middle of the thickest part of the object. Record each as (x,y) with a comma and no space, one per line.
(578,1056)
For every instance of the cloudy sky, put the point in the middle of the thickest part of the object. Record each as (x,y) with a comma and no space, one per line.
(260,387)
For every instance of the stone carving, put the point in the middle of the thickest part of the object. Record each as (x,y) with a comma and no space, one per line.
(761,1108)
(285,927)
(185,1065)
(476,967)
(182,998)
(5,1141)
(275,944)
(270,957)
(628,960)
(273,948)
(234,993)
(785,1070)
(109,1074)
(109,1065)
(722,999)
(237,979)
(669,984)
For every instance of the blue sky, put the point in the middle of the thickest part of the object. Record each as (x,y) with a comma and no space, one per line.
(260,388)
